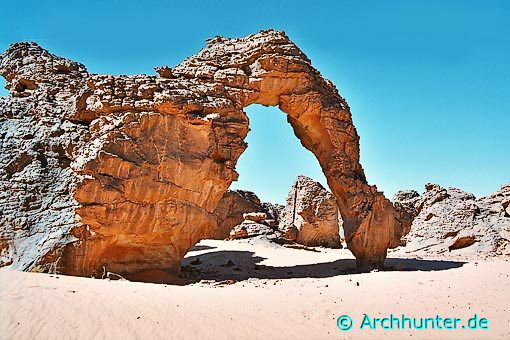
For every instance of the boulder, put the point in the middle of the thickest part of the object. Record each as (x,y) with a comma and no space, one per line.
(254,224)
(273,212)
(258,217)
(310,216)
(231,208)
(249,228)
(235,203)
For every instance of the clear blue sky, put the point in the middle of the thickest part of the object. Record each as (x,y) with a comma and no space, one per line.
(428,82)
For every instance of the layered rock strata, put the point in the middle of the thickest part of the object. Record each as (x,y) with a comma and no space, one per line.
(254,224)
(124,173)
(451,220)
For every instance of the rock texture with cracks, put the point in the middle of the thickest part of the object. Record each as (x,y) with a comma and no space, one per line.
(452,220)
(310,216)
(123,173)
(231,208)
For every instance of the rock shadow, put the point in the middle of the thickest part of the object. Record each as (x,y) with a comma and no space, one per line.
(399,264)
(199,247)
(242,265)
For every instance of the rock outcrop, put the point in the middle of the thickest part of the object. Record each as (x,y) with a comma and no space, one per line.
(259,217)
(254,224)
(234,204)
(310,216)
(273,212)
(451,220)
(123,174)
(231,208)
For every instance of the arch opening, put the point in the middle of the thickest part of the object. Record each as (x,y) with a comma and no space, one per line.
(274,156)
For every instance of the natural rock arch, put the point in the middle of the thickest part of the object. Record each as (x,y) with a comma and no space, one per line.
(150,157)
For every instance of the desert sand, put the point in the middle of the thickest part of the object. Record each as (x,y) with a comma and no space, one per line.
(254,289)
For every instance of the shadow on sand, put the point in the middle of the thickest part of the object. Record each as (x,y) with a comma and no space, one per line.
(199,247)
(242,265)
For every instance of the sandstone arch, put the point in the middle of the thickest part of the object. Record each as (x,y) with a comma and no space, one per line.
(150,157)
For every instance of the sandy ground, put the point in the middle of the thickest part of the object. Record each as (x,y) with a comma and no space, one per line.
(266,291)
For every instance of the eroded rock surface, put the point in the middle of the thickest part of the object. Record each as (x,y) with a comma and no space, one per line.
(254,224)
(273,212)
(123,174)
(231,208)
(310,216)
(37,141)
(235,204)
(454,220)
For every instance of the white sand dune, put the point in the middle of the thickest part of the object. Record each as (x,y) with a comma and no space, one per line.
(278,293)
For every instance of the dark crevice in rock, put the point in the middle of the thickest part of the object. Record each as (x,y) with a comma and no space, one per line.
(18,164)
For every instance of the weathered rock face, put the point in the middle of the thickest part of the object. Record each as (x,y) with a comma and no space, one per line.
(254,224)
(259,217)
(231,208)
(37,210)
(234,204)
(273,212)
(124,173)
(453,220)
(310,216)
